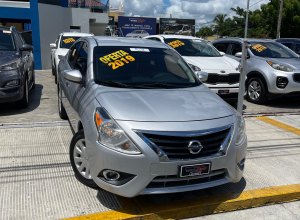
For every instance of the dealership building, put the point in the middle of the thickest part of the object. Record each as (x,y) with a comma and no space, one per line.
(46,19)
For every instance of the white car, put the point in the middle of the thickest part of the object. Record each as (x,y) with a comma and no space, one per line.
(61,47)
(223,78)
(138,34)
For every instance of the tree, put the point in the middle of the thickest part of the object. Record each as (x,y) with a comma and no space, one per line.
(204,32)
(220,19)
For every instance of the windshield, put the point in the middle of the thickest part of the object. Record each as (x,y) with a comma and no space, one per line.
(6,40)
(142,67)
(272,50)
(193,47)
(67,42)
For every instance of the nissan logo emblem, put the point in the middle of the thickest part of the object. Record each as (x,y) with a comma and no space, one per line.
(195,147)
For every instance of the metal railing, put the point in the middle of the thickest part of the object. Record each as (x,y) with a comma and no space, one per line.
(93,5)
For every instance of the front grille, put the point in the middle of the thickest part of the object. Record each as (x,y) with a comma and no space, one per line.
(176,147)
(297,77)
(174,181)
(214,78)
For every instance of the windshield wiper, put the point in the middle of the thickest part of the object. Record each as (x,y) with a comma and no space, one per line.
(161,85)
(113,83)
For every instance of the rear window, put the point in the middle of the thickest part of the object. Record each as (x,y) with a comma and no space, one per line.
(67,42)
(6,40)
(139,66)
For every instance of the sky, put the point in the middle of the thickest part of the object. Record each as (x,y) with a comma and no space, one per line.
(203,11)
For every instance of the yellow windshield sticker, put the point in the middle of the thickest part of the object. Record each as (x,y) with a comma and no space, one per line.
(259,47)
(117,59)
(176,43)
(69,40)
(6,32)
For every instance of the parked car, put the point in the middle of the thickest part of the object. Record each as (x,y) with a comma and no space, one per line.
(138,34)
(272,69)
(16,68)
(142,119)
(179,29)
(292,43)
(61,46)
(223,78)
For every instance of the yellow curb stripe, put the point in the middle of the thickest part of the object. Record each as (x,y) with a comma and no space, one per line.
(279,125)
(198,206)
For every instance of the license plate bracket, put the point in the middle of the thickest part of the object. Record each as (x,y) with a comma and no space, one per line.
(194,169)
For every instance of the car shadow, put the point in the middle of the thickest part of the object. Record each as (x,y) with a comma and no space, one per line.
(10,108)
(284,102)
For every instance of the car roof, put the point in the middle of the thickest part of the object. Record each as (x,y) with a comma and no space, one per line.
(288,39)
(166,36)
(123,41)
(241,39)
(76,34)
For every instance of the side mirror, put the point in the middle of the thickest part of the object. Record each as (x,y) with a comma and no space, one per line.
(202,75)
(222,53)
(27,47)
(239,54)
(53,46)
(73,76)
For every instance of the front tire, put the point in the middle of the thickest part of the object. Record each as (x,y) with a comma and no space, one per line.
(256,91)
(79,160)
(61,109)
(23,103)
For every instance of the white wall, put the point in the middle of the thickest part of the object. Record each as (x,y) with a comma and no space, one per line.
(53,20)
(97,29)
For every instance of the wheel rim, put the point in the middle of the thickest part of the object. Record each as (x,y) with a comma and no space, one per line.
(59,100)
(81,159)
(254,90)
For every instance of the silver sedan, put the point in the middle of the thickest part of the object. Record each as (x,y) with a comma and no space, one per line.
(143,121)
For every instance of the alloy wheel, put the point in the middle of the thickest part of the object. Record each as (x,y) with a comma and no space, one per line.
(254,90)
(81,159)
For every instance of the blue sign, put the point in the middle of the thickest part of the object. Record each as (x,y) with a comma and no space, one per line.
(136,27)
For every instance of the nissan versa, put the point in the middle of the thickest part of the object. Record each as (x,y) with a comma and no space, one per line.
(143,121)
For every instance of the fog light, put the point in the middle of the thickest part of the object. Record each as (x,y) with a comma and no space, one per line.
(281,82)
(11,83)
(241,164)
(111,175)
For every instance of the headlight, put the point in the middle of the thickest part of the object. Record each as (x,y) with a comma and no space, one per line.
(278,66)
(195,68)
(111,135)
(241,128)
(60,57)
(11,65)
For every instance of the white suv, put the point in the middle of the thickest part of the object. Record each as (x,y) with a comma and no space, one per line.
(61,47)
(223,78)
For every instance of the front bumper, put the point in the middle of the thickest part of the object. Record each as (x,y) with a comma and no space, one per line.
(147,166)
(292,86)
(13,93)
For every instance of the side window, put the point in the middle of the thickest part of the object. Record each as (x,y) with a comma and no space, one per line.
(235,48)
(73,54)
(289,45)
(297,48)
(222,47)
(81,62)
(19,40)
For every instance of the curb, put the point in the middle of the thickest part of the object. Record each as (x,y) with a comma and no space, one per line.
(143,208)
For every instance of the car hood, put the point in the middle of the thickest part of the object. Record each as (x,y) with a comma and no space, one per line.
(294,63)
(164,105)
(6,56)
(207,63)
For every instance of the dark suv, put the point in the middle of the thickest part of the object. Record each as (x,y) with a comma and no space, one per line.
(16,67)
(292,43)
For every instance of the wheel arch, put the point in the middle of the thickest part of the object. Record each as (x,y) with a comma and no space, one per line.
(259,75)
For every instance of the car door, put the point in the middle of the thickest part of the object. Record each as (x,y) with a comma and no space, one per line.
(76,90)
(65,84)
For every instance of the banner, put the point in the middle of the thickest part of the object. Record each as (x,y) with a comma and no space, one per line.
(136,27)
(177,26)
